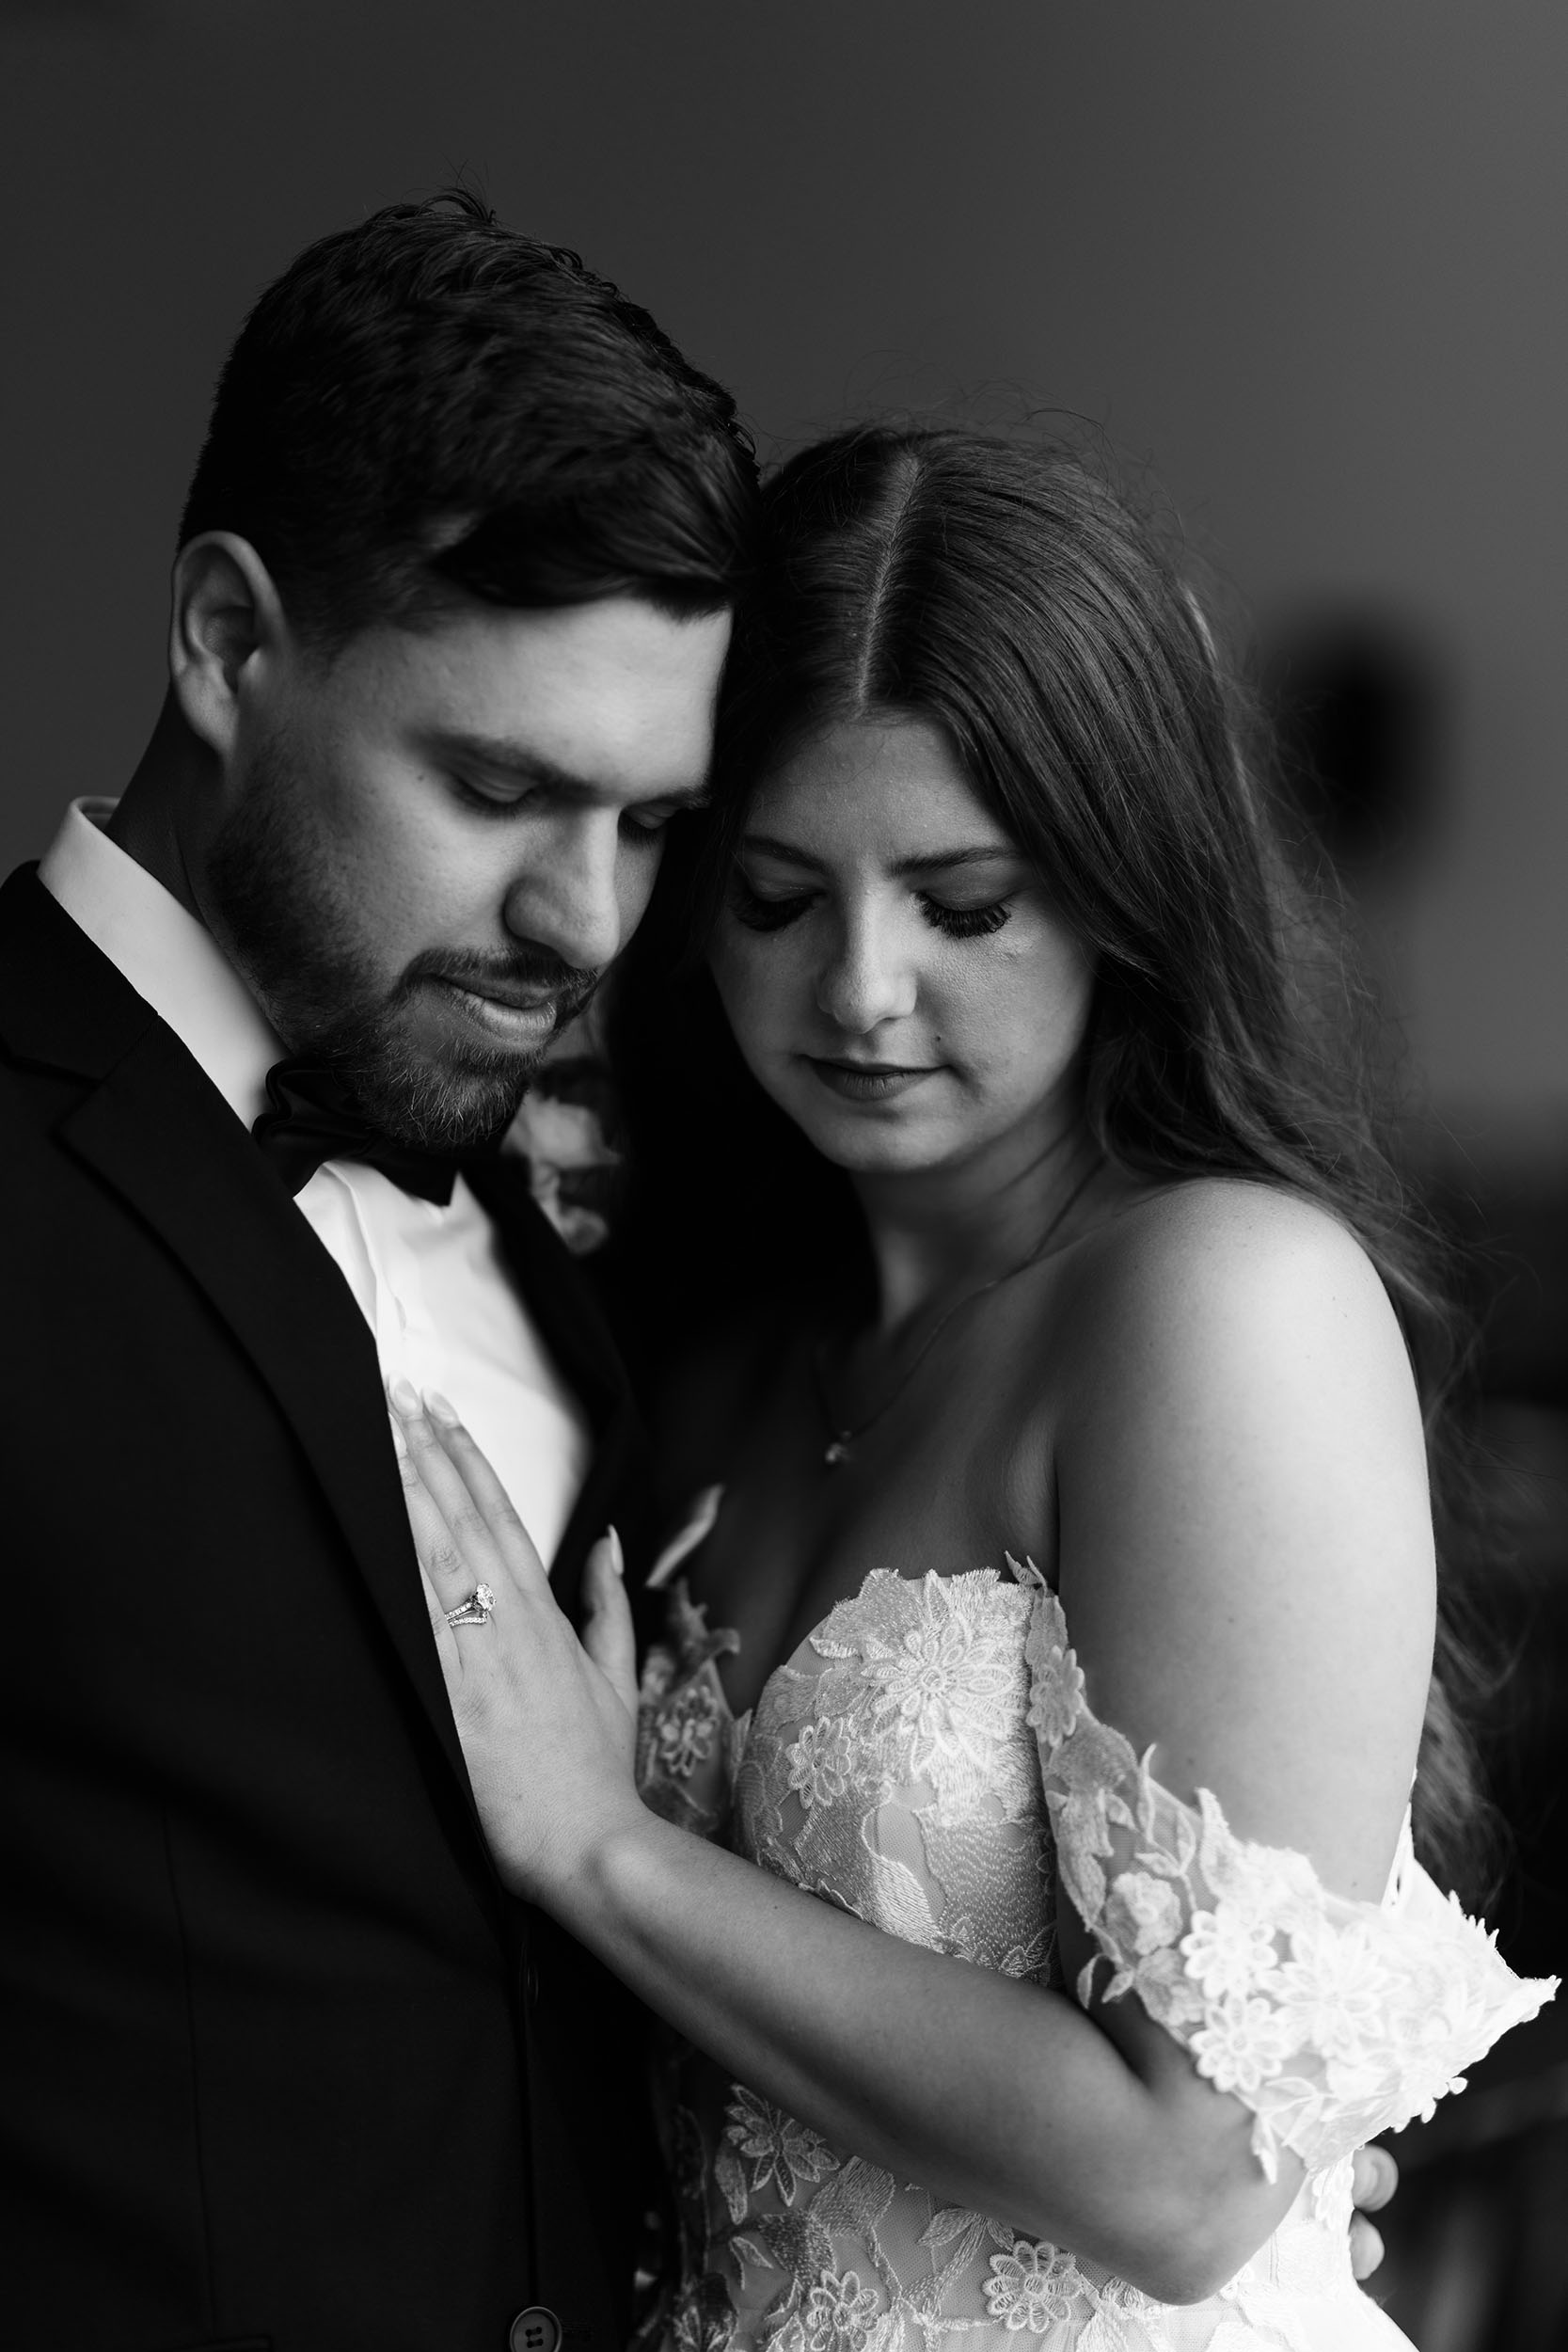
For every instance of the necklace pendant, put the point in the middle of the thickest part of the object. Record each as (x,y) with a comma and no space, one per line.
(838,1451)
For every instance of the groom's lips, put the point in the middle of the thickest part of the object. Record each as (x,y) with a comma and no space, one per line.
(504,1011)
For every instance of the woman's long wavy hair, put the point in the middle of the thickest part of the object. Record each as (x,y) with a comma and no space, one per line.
(1007,594)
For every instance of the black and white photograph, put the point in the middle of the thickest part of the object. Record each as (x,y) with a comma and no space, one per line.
(783,1176)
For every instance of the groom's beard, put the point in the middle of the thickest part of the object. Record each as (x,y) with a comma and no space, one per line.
(289,922)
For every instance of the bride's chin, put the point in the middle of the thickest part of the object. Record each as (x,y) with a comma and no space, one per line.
(862,1148)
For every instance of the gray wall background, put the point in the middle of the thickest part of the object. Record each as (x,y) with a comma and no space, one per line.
(1305,258)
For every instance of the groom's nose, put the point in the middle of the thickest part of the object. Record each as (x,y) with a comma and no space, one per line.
(567,896)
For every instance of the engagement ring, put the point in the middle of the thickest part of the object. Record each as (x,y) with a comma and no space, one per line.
(476,1609)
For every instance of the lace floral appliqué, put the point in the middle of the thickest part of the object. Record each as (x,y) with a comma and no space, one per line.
(685,1738)
(928,1759)
(1332,2020)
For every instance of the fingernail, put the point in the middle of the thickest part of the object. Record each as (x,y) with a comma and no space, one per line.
(617,1558)
(400,1444)
(441,1408)
(404,1395)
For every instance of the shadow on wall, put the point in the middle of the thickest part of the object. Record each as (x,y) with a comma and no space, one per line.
(1357,698)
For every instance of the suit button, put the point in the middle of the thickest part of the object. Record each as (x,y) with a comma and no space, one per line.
(537,2329)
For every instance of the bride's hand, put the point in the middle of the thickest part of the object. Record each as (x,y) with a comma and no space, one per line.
(547,1722)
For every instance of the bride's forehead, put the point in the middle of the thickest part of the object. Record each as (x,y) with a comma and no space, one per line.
(881,786)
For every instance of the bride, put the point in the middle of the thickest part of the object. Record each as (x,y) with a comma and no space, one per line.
(1047,1656)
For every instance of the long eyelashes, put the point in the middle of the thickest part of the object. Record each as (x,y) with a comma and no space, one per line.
(966,922)
(774,914)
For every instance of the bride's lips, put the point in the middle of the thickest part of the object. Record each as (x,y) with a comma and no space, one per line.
(868,1081)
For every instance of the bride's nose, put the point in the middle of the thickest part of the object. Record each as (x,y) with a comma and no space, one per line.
(869,978)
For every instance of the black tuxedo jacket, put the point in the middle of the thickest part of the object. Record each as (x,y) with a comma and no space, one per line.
(280,2063)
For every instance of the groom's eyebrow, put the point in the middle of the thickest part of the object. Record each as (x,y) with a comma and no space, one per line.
(505,757)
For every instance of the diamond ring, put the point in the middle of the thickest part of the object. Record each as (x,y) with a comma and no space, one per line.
(477,1610)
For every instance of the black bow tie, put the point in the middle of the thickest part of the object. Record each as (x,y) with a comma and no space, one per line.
(310,1121)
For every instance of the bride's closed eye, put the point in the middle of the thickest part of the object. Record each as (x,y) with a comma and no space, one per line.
(965,922)
(758,914)
(762,913)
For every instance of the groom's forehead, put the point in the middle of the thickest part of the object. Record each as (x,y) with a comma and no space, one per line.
(488,658)
(581,692)
(606,698)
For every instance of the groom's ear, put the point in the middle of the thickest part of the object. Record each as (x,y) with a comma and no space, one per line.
(227,627)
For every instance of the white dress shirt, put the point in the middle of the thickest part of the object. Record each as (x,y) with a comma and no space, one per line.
(429,1281)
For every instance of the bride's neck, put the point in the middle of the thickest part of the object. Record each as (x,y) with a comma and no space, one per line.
(935,1234)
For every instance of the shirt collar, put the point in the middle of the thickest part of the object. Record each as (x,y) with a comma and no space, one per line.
(170,958)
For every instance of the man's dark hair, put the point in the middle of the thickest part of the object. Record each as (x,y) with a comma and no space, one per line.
(429,406)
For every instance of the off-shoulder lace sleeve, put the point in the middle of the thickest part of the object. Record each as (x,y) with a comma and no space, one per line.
(1332,2020)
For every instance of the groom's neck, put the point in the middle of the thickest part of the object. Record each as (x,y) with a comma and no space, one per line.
(152,822)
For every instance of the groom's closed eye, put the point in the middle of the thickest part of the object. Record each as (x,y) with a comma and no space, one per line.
(499,776)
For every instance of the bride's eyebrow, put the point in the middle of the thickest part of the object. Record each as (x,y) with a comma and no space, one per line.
(929,862)
(942,861)
(765,845)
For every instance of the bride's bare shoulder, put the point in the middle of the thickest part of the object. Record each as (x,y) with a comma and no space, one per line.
(1230,1235)
(1241,1281)
(1242,1509)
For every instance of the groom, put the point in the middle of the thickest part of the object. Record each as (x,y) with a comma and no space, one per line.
(282,2065)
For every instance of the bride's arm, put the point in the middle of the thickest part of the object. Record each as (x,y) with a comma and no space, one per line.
(1246,1549)
(1246,1564)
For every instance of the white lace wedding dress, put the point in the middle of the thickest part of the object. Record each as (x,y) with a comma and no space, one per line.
(928,1760)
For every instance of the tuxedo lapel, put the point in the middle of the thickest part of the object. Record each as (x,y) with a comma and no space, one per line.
(154,1128)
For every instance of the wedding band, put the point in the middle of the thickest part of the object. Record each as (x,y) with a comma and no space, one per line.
(477,1610)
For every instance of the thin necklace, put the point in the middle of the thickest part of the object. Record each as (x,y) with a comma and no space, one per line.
(841,1439)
